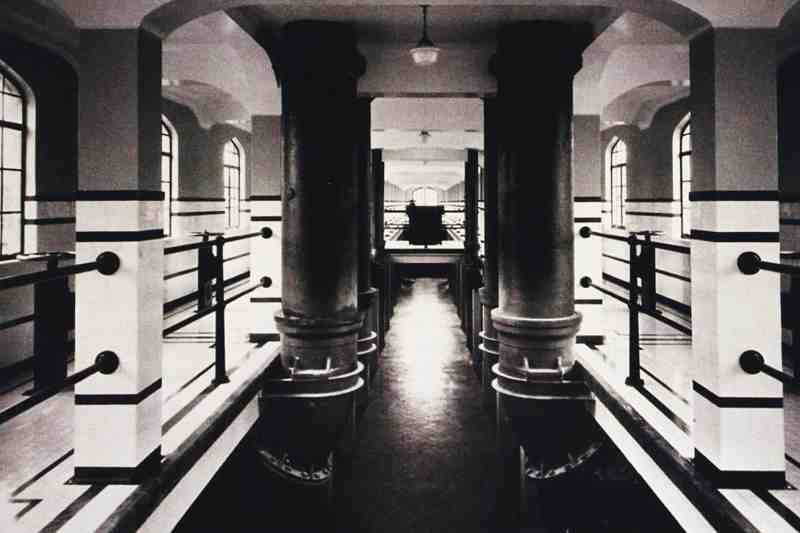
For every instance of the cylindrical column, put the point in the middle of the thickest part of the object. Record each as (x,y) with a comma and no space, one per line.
(367,294)
(470,273)
(319,317)
(536,316)
(488,293)
(541,400)
(307,401)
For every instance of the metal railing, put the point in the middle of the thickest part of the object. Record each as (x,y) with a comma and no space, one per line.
(210,267)
(107,263)
(642,267)
(752,362)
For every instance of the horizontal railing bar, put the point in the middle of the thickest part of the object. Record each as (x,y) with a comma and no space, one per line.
(106,363)
(265,232)
(243,293)
(753,362)
(107,263)
(669,322)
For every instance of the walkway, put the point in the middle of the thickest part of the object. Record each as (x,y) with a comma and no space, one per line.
(427,443)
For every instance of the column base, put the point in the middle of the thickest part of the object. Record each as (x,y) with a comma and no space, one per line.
(91,475)
(302,421)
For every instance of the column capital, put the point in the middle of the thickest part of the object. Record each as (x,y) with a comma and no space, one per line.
(314,49)
(564,42)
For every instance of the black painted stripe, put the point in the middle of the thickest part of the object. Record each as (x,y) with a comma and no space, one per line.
(615,258)
(651,200)
(118,399)
(51,197)
(119,236)
(17,321)
(673,275)
(653,214)
(179,273)
(43,472)
(778,507)
(790,221)
(263,218)
(672,247)
(119,475)
(733,196)
(587,199)
(191,297)
(735,236)
(112,196)
(666,301)
(49,221)
(589,301)
(738,402)
(588,220)
(198,199)
(197,213)
(666,411)
(72,509)
(738,479)
(265,197)
(720,513)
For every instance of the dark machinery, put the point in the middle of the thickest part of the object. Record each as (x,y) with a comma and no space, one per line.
(425,224)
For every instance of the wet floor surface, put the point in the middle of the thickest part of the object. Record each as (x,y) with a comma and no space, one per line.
(425,456)
(425,459)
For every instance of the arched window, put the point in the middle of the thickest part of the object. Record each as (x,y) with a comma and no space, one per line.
(425,196)
(232,182)
(12,164)
(684,164)
(618,178)
(169,170)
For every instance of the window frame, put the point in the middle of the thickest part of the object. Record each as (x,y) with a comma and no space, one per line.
(22,128)
(622,175)
(683,155)
(166,125)
(226,188)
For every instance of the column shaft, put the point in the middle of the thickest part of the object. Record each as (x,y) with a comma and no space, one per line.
(119,209)
(738,431)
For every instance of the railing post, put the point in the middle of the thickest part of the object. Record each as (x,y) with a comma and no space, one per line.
(647,270)
(52,308)
(205,262)
(634,378)
(220,372)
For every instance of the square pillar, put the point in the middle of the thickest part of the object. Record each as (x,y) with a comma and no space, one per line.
(119,209)
(738,418)
(588,207)
(266,211)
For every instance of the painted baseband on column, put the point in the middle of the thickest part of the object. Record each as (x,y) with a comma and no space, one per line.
(366,343)
(489,347)
(118,417)
(265,258)
(588,262)
(738,430)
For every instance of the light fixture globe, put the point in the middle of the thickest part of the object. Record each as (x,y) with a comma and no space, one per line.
(425,53)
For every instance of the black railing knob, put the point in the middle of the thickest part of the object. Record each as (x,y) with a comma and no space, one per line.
(266,232)
(107,362)
(107,263)
(586,282)
(266,282)
(749,263)
(585,232)
(751,362)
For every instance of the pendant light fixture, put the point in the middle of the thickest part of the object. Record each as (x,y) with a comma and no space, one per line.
(425,53)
